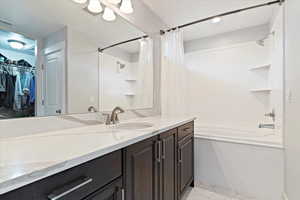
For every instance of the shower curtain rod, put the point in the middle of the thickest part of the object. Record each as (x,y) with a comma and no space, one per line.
(222,15)
(124,42)
(198,21)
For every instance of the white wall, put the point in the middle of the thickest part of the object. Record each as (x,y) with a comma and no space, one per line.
(220,83)
(14,55)
(82,73)
(292,125)
(276,70)
(227,39)
(245,170)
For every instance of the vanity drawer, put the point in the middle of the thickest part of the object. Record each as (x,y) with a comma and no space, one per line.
(185,130)
(79,182)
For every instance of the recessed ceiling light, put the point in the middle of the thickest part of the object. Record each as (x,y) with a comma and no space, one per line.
(216,20)
(80,1)
(109,14)
(15,44)
(126,7)
(95,6)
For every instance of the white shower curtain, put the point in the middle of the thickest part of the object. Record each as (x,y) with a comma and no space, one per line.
(173,75)
(144,97)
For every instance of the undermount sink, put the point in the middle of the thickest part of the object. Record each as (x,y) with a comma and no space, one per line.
(134,125)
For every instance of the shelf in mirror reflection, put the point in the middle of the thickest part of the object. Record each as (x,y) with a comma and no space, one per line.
(266,90)
(261,67)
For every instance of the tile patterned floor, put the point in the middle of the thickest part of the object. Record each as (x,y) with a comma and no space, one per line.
(202,194)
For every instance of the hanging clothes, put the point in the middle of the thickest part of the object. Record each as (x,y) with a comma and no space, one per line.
(2,82)
(32,91)
(22,89)
(10,91)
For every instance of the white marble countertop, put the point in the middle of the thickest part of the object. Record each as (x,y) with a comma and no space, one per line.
(26,159)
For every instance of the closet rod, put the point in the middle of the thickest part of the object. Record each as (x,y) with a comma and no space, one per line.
(222,15)
(124,42)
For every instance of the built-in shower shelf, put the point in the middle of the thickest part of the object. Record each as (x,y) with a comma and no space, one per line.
(267,90)
(129,94)
(130,80)
(260,67)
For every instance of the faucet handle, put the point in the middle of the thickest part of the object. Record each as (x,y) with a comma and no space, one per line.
(108,118)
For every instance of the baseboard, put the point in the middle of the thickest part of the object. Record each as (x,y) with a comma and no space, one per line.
(284,196)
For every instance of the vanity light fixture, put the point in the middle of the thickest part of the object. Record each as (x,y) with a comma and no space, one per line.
(95,6)
(15,44)
(109,14)
(116,2)
(126,7)
(216,20)
(80,1)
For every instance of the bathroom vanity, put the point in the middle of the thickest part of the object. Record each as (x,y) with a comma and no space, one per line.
(148,165)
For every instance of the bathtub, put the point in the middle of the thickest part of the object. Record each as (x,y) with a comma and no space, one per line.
(262,137)
(242,163)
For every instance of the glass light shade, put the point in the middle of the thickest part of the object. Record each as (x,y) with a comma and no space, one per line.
(216,20)
(109,14)
(16,44)
(126,7)
(95,6)
(114,1)
(80,1)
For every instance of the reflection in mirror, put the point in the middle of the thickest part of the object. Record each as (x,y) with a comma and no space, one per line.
(50,61)
(128,76)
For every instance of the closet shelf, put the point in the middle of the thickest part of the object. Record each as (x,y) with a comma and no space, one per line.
(261,90)
(260,67)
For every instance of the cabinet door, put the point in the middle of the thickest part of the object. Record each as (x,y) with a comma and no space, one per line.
(168,169)
(141,177)
(112,191)
(185,163)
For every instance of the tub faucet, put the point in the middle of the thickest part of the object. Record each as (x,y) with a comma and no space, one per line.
(271,114)
(269,126)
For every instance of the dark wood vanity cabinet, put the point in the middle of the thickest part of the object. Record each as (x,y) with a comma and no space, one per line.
(185,164)
(168,165)
(113,191)
(158,168)
(77,183)
(141,170)
(185,157)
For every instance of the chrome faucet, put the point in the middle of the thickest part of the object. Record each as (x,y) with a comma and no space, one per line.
(92,109)
(114,114)
(113,117)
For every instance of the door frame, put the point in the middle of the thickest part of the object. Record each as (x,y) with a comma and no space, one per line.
(40,85)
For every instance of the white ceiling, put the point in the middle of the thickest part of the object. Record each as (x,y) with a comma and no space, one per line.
(177,12)
(39,18)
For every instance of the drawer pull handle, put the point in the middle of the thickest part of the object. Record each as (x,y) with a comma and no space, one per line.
(56,195)
(180,156)
(186,129)
(158,151)
(123,194)
(163,156)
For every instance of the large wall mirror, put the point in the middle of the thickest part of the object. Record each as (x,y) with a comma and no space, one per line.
(50,63)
